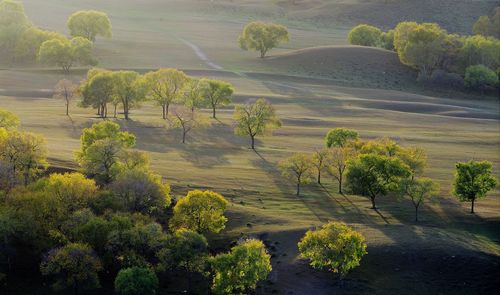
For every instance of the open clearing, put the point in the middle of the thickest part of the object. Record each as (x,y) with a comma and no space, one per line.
(313,90)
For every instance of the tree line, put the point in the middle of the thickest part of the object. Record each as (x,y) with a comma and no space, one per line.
(438,55)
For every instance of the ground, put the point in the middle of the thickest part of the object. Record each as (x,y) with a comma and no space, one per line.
(313,89)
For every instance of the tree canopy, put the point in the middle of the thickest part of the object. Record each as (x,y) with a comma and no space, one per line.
(66,53)
(219,93)
(262,37)
(136,281)
(165,86)
(298,167)
(339,137)
(89,24)
(364,35)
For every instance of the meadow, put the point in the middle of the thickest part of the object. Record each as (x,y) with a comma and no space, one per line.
(316,82)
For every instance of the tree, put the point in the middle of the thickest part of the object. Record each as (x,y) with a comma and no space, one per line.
(419,190)
(129,90)
(200,211)
(65,89)
(141,191)
(240,270)
(473,180)
(25,153)
(8,120)
(387,40)
(88,24)
(136,281)
(337,162)
(482,26)
(106,130)
(373,175)
(480,50)
(335,246)
(218,93)
(66,53)
(320,160)
(13,22)
(339,137)
(73,190)
(480,77)
(186,120)
(401,34)
(262,37)
(74,266)
(98,90)
(28,44)
(364,35)
(165,86)
(194,93)
(254,119)
(299,167)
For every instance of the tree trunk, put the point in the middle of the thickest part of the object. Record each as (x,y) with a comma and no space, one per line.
(213,112)
(67,108)
(416,213)
(114,114)
(298,188)
(340,183)
(125,109)
(472,207)
(319,176)
(373,202)
(164,112)
(253,142)
(183,136)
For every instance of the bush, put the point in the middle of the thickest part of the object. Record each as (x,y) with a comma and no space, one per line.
(449,80)
(387,40)
(136,281)
(480,77)
(364,35)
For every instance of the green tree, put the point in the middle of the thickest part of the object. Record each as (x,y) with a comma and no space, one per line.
(402,34)
(254,119)
(419,190)
(66,53)
(13,22)
(200,211)
(73,266)
(66,90)
(262,37)
(165,86)
(473,180)
(194,93)
(387,40)
(136,281)
(335,246)
(98,90)
(142,191)
(482,26)
(337,162)
(239,271)
(339,137)
(480,77)
(364,35)
(129,90)
(8,120)
(186,120)
(28,44)
(89,24)
(299,167)
(73,190)
(218,93)
(373,175)
(320,159)
(480,50)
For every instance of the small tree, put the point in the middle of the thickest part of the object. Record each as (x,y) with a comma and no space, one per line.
(339,137)
(129,90)
(387,40)
(254,119)
(473,180)
(240,270)
(186,120)
(482,26)
(218,93)
(480,77)
(262,37)
(88,24)
(98,90)
(73,190)
(65,89)
(419,190)
(200,211)
(299,167)
(67,53)
(375,175)
(165,86)
(8,120)
(136,281)
(337,162)
(73,266)
(320,159)
(194,93)
(364,35)
(335,246)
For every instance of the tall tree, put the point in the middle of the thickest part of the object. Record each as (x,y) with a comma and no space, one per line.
(473,180)
(98,90)
(419,190)
(219,93)
(337,162)
(66,53)
(239,271)
(201,211)
(129,90)
(89,24)
(320,159)
(13,22)
(65,89)
(335,246)
(262,37)
(299,167)
(194,93)
(165,86)
(256,118)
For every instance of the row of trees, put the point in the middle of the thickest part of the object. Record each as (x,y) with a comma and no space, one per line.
(383,168)
(21,41)
(106,221)
(432,51)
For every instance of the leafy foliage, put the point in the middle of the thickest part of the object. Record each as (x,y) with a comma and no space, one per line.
(165,86)
(339,137)
(299,167)
(218,94)
(480,77)
(136,281)
(262,37)
(364,35)
(66,53)
(89,24)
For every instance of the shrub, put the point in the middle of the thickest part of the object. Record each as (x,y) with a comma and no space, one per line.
(364,35)
(480,77)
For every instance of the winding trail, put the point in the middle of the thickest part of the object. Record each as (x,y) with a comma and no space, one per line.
(201,55)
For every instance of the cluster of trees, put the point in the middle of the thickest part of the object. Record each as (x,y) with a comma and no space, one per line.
(439,56)
(262,37)
(111,219)
(379,168)
(21,41)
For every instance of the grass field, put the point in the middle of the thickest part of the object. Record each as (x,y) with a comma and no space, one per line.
(313,90)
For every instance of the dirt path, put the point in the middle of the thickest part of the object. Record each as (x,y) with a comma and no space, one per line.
(201,55)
